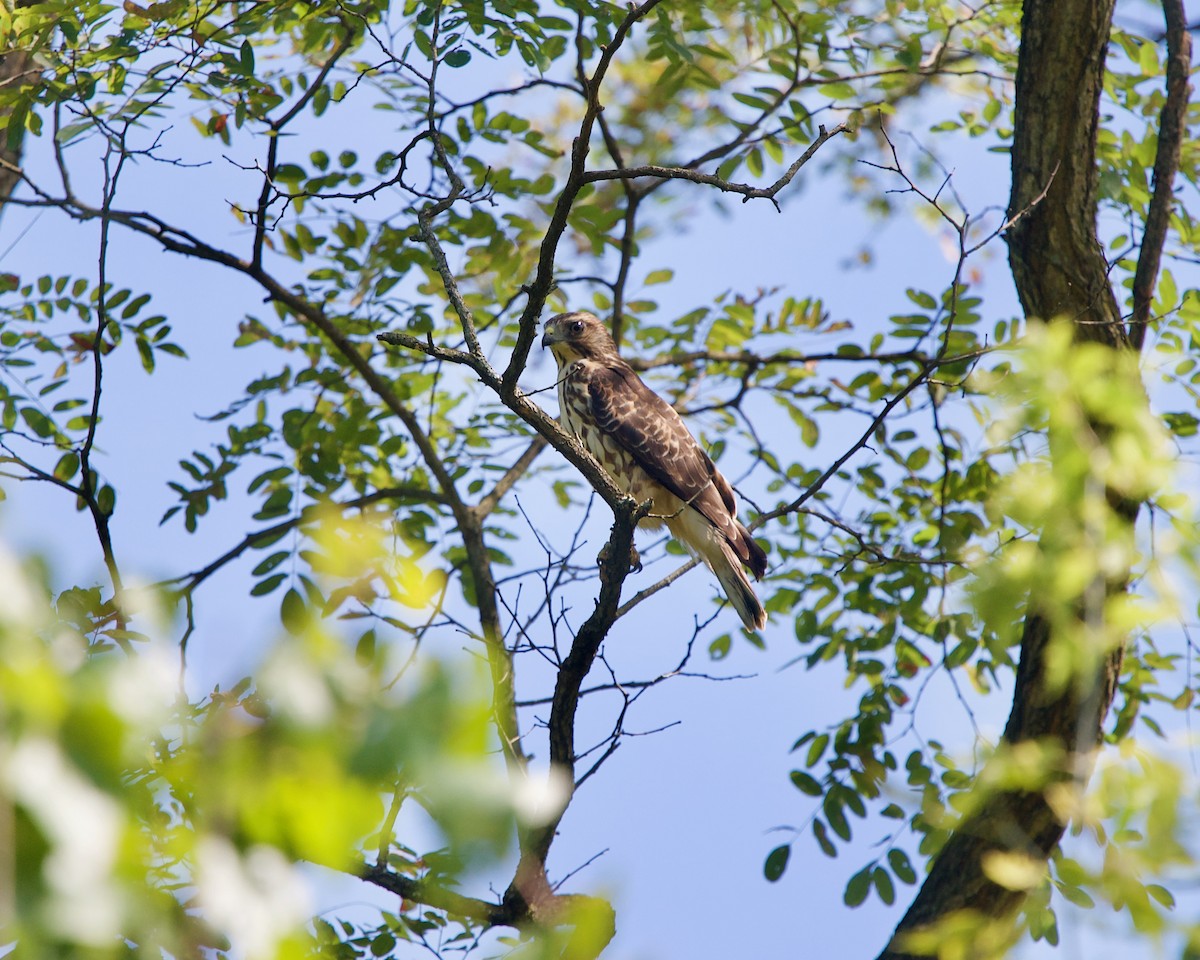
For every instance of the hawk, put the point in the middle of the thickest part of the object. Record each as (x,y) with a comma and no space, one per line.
(648,450)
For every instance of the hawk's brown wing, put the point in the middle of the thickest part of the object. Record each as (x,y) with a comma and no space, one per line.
(654,434)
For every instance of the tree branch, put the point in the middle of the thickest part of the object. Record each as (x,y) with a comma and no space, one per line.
(530,884)
(437,897)
(745,190)
(276,127)
(1172,123)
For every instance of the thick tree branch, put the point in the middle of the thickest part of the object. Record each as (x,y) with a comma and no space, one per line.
(530,885)
(1171,126)
(1054,252)
(439,898)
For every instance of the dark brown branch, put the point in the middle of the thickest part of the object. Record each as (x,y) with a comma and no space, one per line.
(749,357)
(88,491)
(648,592)
(530,885)
(1053,248)
(745,190)
(510,913)
(439,898)
(1171,126)
(918,379)
(277,126)
(549,428)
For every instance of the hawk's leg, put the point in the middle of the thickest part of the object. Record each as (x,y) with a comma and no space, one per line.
(635,560)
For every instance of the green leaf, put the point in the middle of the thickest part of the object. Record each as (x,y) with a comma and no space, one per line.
(776,862)
(720,647)
(271,562)
(729,166)
(146,352)
(1161,894)
(921,299)
(806,783)
(1148,59)
(70,131)
(884,885)
(836,815)
(106,500)
(67,466)
(1077,896)
(38,422)
(754,162)
(822,838)
(901,867)
(857,888)
(293,612)
(364,650)
(134,305)
(817,749)
(246,58)
(263,587)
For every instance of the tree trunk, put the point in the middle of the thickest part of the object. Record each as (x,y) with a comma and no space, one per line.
(12,65)
(1061,275)
(15,64)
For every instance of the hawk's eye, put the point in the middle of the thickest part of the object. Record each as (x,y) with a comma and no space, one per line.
(577,326)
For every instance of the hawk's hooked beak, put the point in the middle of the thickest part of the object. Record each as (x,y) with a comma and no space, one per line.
(548,337)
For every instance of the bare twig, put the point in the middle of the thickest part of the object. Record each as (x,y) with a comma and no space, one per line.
(745,190)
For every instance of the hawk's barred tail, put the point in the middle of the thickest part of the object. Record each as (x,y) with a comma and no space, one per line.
(737,588)
(751,554)
(721,554)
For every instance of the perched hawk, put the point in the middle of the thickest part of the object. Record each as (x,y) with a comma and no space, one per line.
(651,454)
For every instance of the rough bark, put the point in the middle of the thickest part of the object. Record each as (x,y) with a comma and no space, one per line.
(15,66)
(1056,259)
(1061,275)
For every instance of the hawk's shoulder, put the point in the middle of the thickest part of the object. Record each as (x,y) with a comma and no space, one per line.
(650,429)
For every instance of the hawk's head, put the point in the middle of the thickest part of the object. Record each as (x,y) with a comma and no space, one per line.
(578,336)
